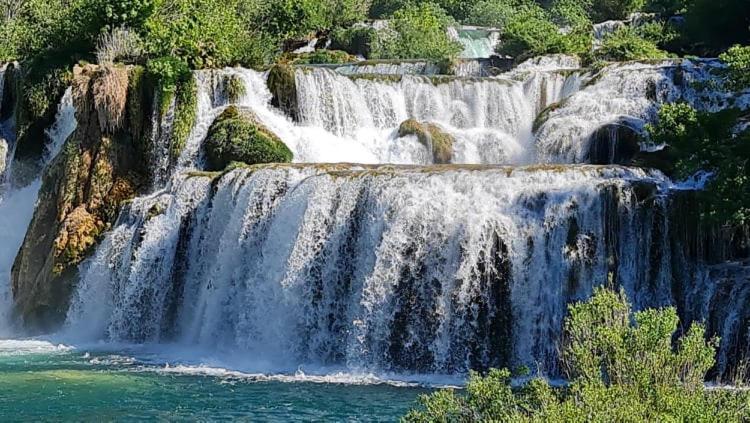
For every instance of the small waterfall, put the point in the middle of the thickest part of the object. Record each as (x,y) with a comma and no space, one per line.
(489,118)
(361,268)
(17,208)
(632,92)
(477,42)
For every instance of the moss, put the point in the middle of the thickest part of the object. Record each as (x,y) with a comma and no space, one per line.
(79,232)
(234,88)
(432,137)
(544,115)
(282,84)
(186,108)
(238,136)
(376,77)
(320,57)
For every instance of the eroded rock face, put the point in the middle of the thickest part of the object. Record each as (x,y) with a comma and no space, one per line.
(615,143)
(99,169)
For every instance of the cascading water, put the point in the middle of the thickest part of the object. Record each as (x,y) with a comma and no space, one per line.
(17,207)
(631,92)
(360,268)
(477,42)
(401,268)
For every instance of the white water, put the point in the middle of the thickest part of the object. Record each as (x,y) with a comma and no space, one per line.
(477,42)
(295,265)
(17,209)
(632,91)
(344,271)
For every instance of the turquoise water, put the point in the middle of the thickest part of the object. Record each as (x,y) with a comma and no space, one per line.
(44,382)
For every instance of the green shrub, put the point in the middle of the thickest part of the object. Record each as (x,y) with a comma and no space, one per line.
(237,136)
(604,10)
(622,367)
(737,60)
(168,72)
(419,32)
(667,7)
(702,141)
(202,34)
(186,108)
(531,33)
(357,40)
(626,44)
(127,13)
(496,13)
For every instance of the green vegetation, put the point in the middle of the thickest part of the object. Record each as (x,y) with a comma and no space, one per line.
(622,366)
(186,108)
(628,44)
(418,32)
(703,141)
(737,60)
(237,136)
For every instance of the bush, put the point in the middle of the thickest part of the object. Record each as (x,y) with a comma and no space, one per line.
(120,44)
(202,34)
(531,33)
(667,7)
(238,136)
(626,44)
(127,13)
(419,32)
(622,367)
(702,141)
(737,60)
(495,13)
(605,10)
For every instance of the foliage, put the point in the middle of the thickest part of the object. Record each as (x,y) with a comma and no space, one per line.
(119,44)
(531,32)
(702,141)
(626,44)
(321,57)
(419,32)
(238,136)
(667,7)
(714,25)
(168,72)
(186,108)
(622,367)
(737,60)
(127,13)
(604,10)
(496,13)
(234,88)
(360,40)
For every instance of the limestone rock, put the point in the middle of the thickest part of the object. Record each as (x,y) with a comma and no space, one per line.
(437,141)
(238,136)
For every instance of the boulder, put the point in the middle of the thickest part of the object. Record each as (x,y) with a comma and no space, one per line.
(237,136)
(434,138)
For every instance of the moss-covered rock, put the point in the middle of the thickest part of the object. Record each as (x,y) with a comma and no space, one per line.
(320,57)
(439,142)
(238,136)
(100,168)
(282,83)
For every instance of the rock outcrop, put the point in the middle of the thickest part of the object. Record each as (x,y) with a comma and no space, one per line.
(101,166)
(238,136)
(434,138)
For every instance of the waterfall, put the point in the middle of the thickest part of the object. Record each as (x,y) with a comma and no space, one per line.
(633,92)
(17,207)
(477,42)
(359,267)
(490,118)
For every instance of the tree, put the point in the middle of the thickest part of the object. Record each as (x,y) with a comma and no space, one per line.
(622,366)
